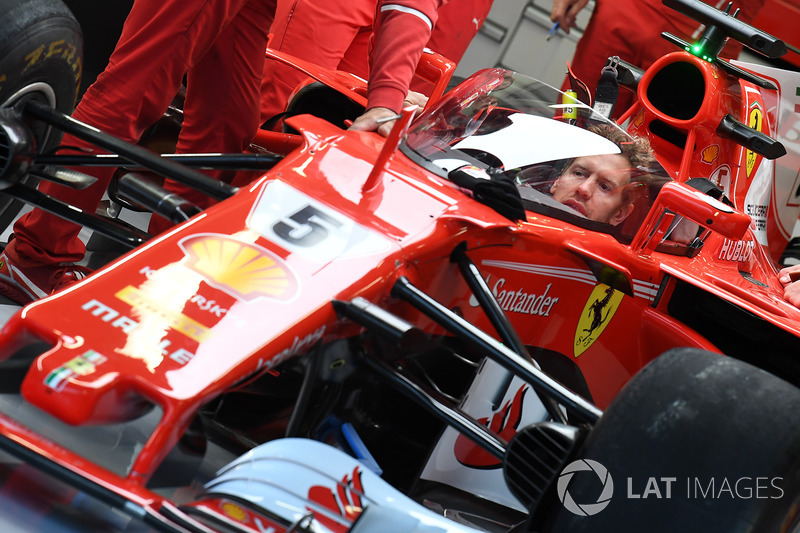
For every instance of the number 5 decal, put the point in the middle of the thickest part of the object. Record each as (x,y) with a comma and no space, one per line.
(306,227)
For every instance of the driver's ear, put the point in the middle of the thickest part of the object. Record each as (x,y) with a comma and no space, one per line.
(621,214)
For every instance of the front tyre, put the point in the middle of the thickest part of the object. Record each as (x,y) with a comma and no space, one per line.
(695,442)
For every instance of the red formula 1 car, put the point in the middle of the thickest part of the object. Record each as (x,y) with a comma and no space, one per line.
(412,333)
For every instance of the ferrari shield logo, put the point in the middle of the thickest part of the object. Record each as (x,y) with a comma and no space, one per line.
(755,120)
(597,313)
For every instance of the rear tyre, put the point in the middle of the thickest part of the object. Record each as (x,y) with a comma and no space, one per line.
(695,442)
(41,54)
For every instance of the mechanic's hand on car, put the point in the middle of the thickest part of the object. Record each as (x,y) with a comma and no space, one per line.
(381,119)
(790,279)
(565,12)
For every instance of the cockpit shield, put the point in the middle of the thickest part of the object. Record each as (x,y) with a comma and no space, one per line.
(567,161)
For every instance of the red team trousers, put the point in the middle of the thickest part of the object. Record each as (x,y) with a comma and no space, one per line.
(218,44)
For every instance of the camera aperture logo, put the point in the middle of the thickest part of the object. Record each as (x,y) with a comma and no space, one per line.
(642,488)
(585,509)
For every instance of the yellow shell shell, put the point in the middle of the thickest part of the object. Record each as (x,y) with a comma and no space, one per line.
(244,270)
(710,153)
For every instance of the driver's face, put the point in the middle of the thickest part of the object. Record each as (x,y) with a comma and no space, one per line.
(593,186)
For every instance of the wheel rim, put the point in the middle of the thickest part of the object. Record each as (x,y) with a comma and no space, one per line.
(41,92)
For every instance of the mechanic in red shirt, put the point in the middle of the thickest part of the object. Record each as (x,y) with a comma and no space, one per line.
(631,29)
(219,45)
(348,26)
(401,30)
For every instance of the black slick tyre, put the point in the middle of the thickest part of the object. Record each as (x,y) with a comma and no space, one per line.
(695,442)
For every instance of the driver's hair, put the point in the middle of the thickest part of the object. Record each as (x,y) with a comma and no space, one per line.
(637,150)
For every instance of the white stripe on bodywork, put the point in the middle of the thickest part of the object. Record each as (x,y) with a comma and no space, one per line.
(575,274)
(645,289)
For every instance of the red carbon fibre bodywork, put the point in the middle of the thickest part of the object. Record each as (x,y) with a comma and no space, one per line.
(691,146)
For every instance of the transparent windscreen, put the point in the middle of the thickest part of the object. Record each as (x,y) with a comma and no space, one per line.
(567,161)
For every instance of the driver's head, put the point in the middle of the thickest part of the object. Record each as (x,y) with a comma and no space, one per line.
(602,187)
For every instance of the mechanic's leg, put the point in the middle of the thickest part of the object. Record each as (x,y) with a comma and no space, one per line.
(607,35)
(319,32)
(222,97)
(159,41)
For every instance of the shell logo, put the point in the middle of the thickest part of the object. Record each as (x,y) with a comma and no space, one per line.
(234,511)
(243,270)
(638,120)
(709,153)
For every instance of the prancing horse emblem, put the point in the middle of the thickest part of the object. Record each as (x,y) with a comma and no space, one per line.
(597,313)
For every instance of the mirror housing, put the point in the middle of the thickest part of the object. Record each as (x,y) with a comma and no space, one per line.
(678,199)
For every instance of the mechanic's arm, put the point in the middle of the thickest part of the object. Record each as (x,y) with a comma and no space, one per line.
(790,279)
(565,12)
(403,28)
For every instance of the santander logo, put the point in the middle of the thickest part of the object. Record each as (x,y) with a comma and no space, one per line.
(504,422)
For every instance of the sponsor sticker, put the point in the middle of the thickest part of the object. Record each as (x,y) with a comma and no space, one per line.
(755,121)
(81,365)
(342,504)
(177,321)
(709,153)
(738,251)
(244,270)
